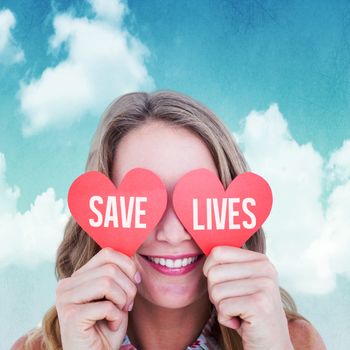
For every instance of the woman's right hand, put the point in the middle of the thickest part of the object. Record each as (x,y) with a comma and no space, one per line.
(86,321)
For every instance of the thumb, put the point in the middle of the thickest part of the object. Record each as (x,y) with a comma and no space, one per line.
(233,323)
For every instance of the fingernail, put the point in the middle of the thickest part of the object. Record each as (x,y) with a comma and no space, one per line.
(235,322)
(137,277)
(130,306)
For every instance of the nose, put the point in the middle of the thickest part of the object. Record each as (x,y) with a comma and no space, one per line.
(170,228)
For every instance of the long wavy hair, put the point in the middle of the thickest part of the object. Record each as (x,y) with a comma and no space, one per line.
(123,115)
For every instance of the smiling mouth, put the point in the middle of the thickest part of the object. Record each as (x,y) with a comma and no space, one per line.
(173,263)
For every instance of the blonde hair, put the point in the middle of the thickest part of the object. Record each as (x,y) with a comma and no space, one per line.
(122,115)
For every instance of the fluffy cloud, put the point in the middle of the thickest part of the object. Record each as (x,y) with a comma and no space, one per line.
(33,236)
(103,61)
(10,52)
(339,163)
(307,237)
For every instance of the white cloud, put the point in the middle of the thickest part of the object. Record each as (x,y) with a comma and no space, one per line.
(103,61)
(109,9)
(307,240)
(33,236)
(339,163)
(10,52)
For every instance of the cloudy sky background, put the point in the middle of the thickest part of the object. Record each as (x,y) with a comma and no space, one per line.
(276,72)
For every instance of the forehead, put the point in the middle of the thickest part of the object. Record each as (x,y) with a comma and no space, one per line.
(167,150)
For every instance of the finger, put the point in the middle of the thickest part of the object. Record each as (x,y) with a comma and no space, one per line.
(228,254)
(94,311)
(243,287)
(107,270)
(109,255)
(248,308)
(99,288)
(242,270)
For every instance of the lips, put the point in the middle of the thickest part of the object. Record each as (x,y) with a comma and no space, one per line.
(173,265)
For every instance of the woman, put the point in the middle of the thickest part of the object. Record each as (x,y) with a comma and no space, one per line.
(107,300)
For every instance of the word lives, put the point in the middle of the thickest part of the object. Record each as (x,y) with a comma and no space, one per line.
(226,215)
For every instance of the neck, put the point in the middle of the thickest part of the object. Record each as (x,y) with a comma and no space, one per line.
(154,327)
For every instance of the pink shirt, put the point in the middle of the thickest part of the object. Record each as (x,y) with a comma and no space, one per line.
(205,341)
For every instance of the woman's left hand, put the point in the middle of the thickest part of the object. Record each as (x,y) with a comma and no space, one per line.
(243,283)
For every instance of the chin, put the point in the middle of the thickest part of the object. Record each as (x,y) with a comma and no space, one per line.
(173,296)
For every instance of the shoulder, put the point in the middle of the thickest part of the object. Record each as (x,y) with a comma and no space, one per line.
(19,344)
(304,336)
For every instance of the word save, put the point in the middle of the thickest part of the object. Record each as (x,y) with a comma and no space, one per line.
(220,214)
(111,212)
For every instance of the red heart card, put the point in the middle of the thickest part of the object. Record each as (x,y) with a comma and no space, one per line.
(120,218)
(215,216)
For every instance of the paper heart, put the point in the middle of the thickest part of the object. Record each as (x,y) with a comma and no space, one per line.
(200,201)
(120,218)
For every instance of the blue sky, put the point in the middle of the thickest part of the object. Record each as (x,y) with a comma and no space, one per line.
(276,72)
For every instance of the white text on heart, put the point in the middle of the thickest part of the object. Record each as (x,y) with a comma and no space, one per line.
(227,206)
(111,212)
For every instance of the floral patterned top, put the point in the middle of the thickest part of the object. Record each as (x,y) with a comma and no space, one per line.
(207,340)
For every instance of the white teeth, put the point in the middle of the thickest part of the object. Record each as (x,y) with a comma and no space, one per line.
(177,263)
(170,263)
